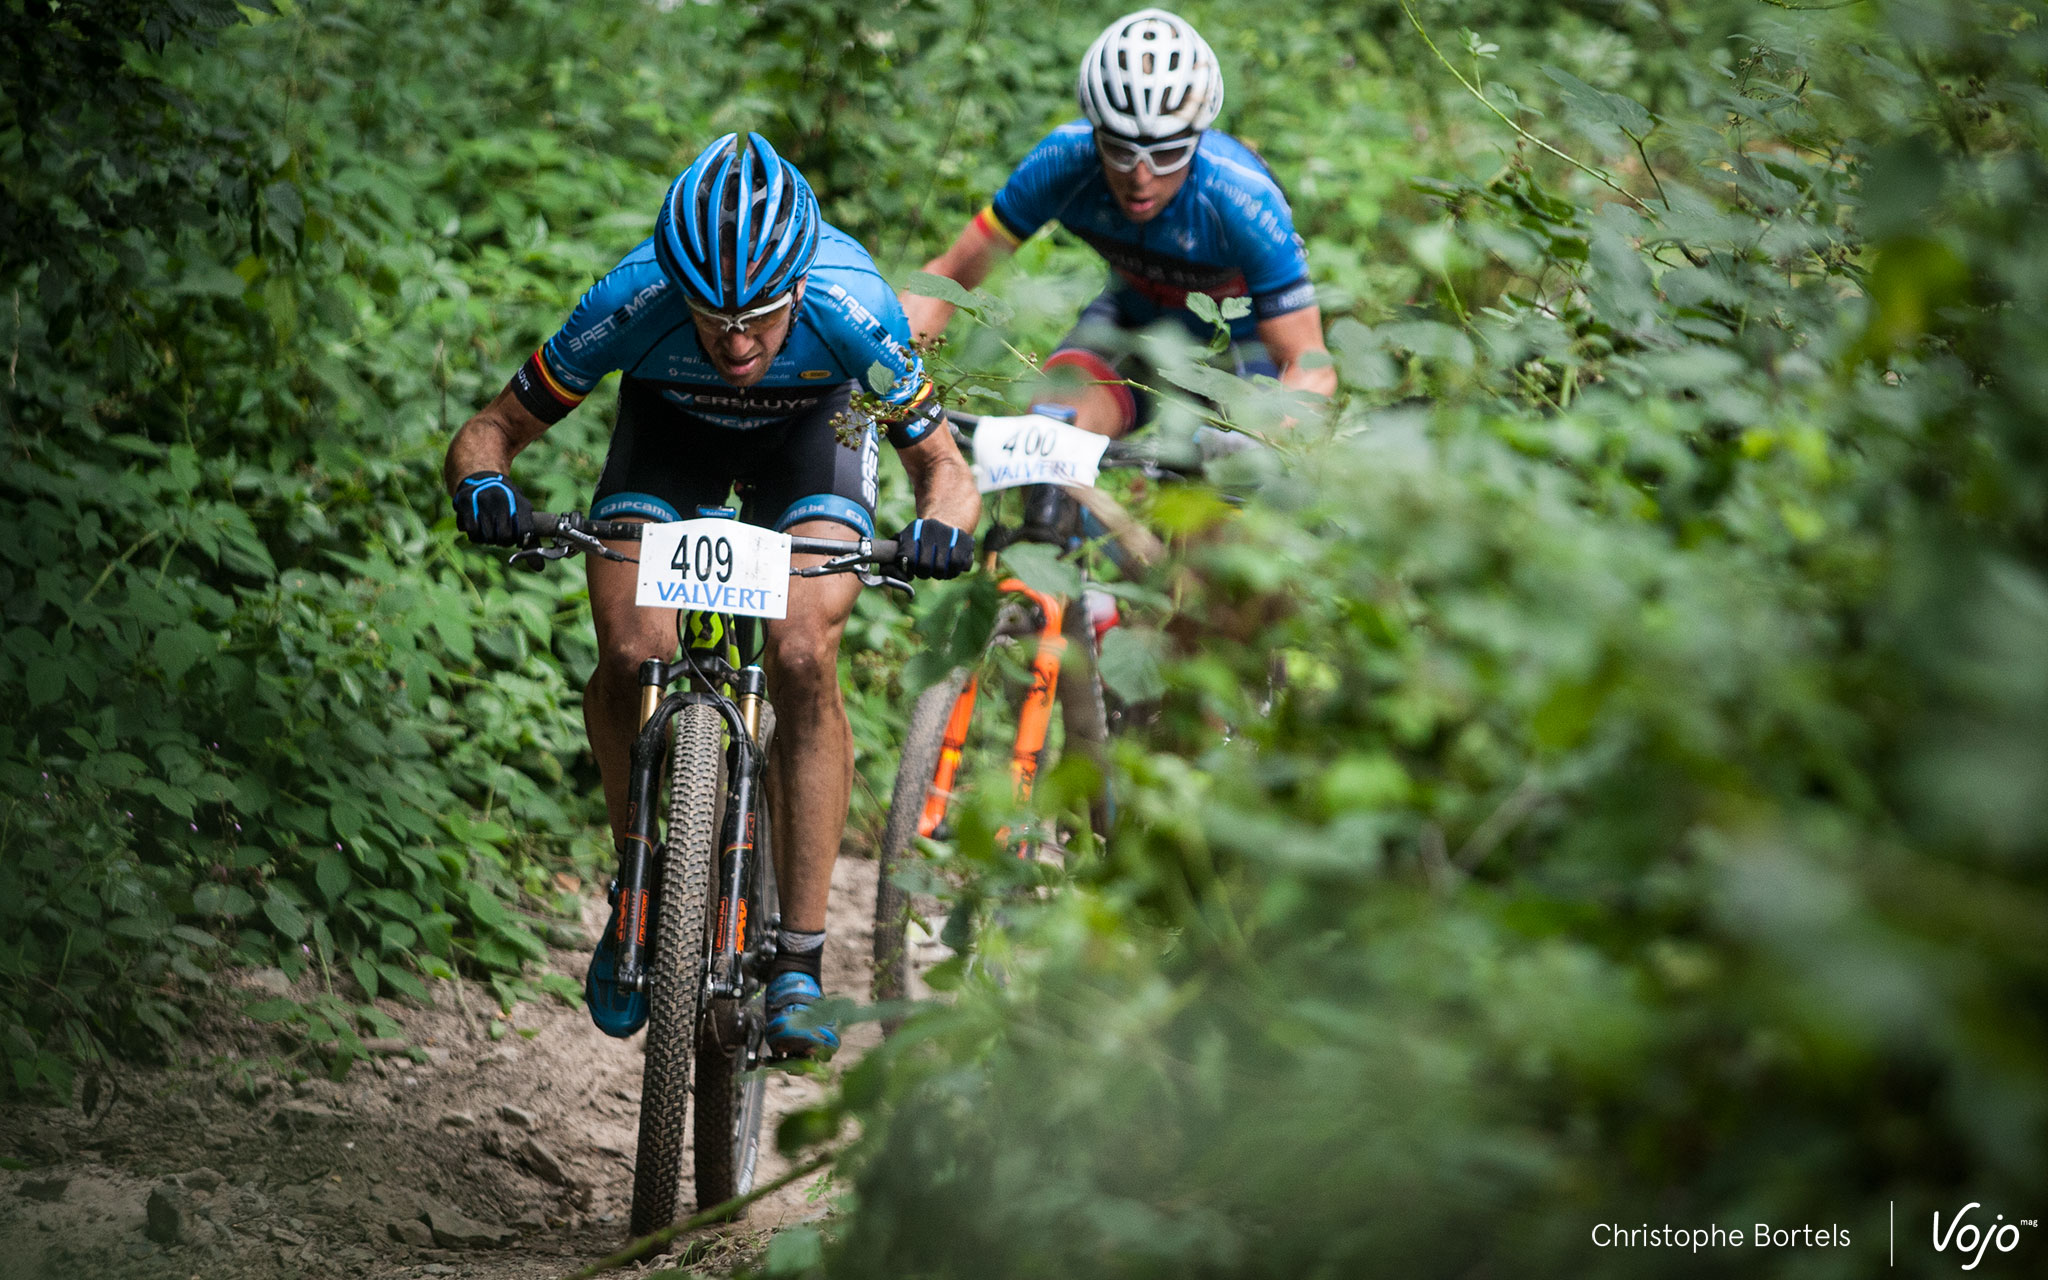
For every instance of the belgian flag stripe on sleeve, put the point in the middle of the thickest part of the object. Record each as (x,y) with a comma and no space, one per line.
(541,392)
(917,418)
(990,224)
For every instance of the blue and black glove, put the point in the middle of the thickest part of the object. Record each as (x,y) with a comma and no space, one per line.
(491,511)
(934,549)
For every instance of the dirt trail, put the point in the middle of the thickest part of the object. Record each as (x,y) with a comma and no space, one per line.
(507,1160)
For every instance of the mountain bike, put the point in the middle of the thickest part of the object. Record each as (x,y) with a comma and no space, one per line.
(696,925)
(1064,668)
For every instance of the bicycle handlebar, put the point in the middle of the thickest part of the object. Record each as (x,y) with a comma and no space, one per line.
(1119,454)
(572,531)
(551,524)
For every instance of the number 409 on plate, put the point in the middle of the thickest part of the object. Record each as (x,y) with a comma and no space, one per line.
(719,566)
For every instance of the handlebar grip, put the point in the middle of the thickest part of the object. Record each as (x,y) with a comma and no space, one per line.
(881,551)
(550,524)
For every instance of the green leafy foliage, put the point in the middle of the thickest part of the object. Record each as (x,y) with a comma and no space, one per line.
(250,676)
(1646,800)
(1595,776)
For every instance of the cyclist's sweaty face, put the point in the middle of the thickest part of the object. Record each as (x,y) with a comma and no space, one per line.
(1139,192)
(742,358)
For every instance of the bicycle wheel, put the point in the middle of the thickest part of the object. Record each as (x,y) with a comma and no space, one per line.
(676,980)
(914,772)
(730,1097)
(1084,713)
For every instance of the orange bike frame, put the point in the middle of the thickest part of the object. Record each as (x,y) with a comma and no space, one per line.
(1033,720)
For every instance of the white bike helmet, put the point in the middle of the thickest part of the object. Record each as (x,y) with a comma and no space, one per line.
(1150,76)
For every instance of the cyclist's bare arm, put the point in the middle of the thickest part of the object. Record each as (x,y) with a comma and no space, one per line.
(972,256)
(490,440)
(1290,337)
(940,478)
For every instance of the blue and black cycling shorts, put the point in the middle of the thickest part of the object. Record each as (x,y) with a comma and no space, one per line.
(1103,348)
(664,464)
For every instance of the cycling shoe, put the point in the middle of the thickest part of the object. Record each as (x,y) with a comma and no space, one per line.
(617,1011)
(790,1034)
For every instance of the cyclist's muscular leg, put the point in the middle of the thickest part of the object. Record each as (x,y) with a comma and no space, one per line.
(1096,409)
(811,770)
(627,635)
(1107,405)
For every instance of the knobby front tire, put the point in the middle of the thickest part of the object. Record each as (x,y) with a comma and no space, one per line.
(676,981)
(915,771)
(1085,714)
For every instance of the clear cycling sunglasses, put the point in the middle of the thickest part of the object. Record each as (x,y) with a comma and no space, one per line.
(1161,158)
(739,321)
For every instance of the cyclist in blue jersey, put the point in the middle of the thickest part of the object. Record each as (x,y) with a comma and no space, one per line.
(740,329)
(1174,207)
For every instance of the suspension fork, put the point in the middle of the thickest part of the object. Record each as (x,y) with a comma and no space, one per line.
(950,748)
(636,848)
(740,843)
(1035,717)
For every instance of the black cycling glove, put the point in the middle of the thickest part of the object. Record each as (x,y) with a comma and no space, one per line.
(934,549)
(491,511)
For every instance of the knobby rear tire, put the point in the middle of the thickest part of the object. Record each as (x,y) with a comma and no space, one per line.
(914,775)
(676,980)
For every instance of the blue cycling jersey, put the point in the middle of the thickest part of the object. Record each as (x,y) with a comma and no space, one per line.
(636,321)
(1228,231)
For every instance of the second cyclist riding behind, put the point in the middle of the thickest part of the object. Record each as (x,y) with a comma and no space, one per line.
(1175,208)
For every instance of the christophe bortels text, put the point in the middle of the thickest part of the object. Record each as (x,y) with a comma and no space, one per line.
(1612,1235)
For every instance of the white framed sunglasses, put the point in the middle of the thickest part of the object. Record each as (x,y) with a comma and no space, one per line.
(1162,158)
(740,321)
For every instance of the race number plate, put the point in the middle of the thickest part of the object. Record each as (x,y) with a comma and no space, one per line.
(1034,449)
(721,566)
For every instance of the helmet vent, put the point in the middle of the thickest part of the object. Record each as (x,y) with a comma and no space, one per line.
(1150,75)
(739,227)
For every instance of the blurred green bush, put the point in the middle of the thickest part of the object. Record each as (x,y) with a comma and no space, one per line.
(1646,827)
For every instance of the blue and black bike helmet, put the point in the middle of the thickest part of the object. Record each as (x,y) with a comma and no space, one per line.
(739,227)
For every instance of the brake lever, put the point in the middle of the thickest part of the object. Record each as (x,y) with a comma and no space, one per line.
(536,557)
(868,578)
(851,561)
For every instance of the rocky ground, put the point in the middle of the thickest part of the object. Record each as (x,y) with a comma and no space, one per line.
(499,1160)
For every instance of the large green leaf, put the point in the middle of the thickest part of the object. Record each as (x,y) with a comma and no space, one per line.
(331,872)
(1042,569)
(285,917)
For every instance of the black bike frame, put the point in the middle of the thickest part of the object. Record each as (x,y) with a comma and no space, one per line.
(739,695)
(738,843)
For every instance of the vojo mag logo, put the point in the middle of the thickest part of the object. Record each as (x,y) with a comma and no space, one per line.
(1972,1240)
